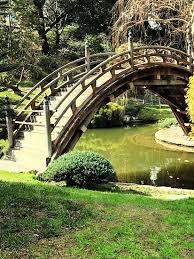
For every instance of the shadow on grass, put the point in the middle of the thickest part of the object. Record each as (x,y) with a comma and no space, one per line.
(111,187)
(28,83)
(32,212)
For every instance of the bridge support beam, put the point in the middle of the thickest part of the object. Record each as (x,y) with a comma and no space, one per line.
(48,129)
(180,120)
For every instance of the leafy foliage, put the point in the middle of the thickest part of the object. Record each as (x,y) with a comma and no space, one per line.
(50,17)
(79,168)
(133,108)
(42,66)
(3,147)
(147,115)
(73,46)
(2,112)
(109,115)
(153,113)
(167,122)
(40,35)
(190,100)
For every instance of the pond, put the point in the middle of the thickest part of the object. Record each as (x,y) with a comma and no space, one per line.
(137,158)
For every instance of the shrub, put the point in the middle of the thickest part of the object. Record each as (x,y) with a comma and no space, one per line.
(79,168)
(153,113)
(147,114)
(98,43)
(190,101)
(71,31)
(110,115)
(133,108)
(74,47)
(3,147)
(167,122)
(42,66)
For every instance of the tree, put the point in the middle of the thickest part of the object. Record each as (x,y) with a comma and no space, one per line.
(190,101)
(45,16)
(40,24)
(190,27)
(162,21)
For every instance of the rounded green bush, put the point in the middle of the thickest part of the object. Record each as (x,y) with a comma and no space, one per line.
(79,168)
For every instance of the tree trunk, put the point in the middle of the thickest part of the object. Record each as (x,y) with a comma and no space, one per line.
(57,38)
(14,88)
(41,26)
(45,45)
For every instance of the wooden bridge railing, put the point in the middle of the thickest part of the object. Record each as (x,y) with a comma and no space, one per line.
(77,73)
(72,72)
(148,55)
(61,78)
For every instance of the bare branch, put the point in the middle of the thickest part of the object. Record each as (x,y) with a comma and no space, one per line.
(170,16)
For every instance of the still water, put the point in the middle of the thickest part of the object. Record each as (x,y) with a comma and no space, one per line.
(137,158)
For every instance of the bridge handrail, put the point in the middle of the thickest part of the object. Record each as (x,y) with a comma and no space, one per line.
(111,64)
(95,69)
(23,110)
(162,47)
(122,54)
(57,71)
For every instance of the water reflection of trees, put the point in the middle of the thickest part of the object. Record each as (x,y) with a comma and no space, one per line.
(135,163)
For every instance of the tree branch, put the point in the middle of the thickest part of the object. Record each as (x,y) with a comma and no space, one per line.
(55,22)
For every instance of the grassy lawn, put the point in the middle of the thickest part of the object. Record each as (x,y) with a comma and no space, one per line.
(40,220)
(24,87)
(155,112)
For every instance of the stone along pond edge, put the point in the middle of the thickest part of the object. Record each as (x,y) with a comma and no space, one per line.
(174,139)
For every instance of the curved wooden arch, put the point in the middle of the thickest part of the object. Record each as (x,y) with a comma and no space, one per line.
(78,92)
(79,124)
(52,84)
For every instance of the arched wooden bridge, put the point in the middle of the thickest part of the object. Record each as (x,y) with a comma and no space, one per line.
(46,129)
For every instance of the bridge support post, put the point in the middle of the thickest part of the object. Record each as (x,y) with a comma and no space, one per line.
(130,47)
(48,128)
(180,120)
(87,57)
(9,122)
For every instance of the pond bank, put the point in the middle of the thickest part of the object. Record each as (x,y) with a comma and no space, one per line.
(175,139)
(137,158)
(158,192)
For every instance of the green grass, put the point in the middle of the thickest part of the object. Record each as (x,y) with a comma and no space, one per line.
(167,122)
(24,86)
(3,146)
(154,112)
(40,220)
(10,94)
(14,97)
